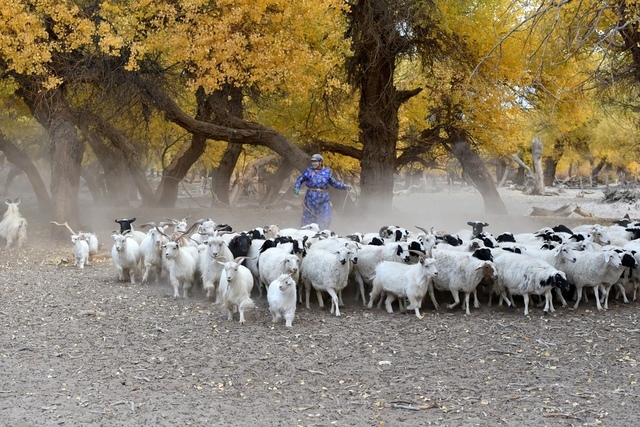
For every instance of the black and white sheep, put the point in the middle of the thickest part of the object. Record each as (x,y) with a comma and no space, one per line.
(326,271)
(522,274)
(461,272)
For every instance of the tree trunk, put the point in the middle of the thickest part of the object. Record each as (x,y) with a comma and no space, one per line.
(226,103)
(474,168)
(22,161)
(66,158)
(536,155)
(550,167)
(221,179)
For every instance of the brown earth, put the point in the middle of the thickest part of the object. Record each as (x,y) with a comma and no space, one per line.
(78,348)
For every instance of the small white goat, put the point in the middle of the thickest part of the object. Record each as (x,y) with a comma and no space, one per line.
(181,263)
(281,296)
(276,261)
(151,248)
(126,256)
(215,251)
(80,250)
(403,281)
(13,227)
(236,283)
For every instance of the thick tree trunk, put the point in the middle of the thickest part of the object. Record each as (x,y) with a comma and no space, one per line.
(538,172)
(221,181)
(226,103)
(474,168)
(22,161)
(66,158)
(550,167)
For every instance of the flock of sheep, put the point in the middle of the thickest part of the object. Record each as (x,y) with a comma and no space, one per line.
(393,265)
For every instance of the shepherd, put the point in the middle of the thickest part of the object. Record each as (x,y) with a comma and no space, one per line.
(317,201)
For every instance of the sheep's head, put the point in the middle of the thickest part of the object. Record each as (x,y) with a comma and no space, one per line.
(286,283)
(170,250)
(125,224)
(488,270)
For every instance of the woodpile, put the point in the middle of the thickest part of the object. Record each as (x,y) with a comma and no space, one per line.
(616,194)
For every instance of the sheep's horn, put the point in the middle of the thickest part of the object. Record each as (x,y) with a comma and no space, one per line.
(424,230)
(64,224)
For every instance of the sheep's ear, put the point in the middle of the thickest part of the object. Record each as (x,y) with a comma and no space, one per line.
(17,201)
(8,201)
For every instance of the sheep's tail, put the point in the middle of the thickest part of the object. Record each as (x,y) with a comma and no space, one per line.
(246,304)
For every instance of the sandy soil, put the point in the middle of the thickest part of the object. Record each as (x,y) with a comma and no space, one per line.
(78,348)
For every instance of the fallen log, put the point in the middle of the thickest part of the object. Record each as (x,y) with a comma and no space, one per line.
(565,210)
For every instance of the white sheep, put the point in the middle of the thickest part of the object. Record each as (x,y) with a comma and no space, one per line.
(236,282)
(281,296)
(181,263)
(400,280)
(326,271)
(276,261)
(13,227)
(80,250)
(92,241)
(522,274)
(368,259)
(151,249)
(126,256)
(461,271)
(215,250)
(593,269)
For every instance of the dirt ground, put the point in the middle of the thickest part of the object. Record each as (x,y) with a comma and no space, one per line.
(79,348)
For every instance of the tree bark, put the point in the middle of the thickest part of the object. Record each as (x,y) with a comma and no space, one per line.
(22,161)
(66,159)
(536,155)
(474,168)
(226,103)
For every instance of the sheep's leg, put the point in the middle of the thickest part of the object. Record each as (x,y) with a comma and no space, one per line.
(288,318)
(389,300)
(334,301)
(375,291)
(340,298)
(413,302)
(622,290)
(456,299)
(526,304)
(145,274)
(307,289)
(176,287)
(383,295)
(476,303)
(467,295)
(579,297)
(275,316)
(432,295)
(506,299)
(360,289)
(186,285)
(596,291)
(561,297)
(548,302)
(320,298)
(605,296)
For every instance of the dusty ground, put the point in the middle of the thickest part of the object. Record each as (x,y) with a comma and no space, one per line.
(78,348)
